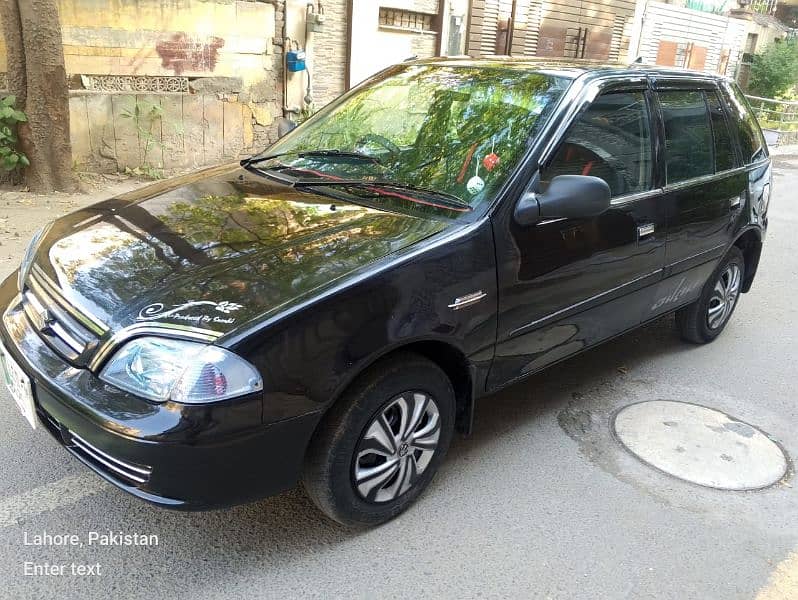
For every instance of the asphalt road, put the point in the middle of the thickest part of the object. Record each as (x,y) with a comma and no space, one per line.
(539,502)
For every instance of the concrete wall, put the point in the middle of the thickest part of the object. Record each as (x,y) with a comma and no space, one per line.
(373,48)
(212,67)
(672,24)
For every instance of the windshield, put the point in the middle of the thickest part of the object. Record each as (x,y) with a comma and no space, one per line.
(454,133)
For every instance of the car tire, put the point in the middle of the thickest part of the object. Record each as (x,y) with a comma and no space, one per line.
(351,443)
(703,320)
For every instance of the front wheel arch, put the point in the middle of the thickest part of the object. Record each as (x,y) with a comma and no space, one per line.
(448,357)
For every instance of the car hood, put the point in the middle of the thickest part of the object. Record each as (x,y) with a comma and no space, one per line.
(214,249)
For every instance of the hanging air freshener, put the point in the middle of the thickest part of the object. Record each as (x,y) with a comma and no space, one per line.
(476,184)
(491,161)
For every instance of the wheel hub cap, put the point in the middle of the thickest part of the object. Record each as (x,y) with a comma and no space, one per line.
(724,296)
(397,447)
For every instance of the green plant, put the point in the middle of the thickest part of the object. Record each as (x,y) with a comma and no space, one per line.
(144,116)
(775,71)
(10,157)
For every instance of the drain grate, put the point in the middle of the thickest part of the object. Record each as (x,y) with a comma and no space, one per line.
(700,445)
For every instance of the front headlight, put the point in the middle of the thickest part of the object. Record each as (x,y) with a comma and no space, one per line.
(27,258)
(163,369)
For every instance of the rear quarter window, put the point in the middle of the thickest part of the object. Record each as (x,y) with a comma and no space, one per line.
(749,135)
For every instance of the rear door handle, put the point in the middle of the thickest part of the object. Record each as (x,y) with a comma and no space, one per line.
(735,202)
(644,231)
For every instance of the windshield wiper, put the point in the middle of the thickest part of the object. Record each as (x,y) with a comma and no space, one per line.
(331,152)
(446,200)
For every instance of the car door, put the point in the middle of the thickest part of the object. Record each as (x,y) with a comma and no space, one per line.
(705,190)
(565,284)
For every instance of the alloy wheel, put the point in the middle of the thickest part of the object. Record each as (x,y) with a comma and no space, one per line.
(724,296)
(396,447)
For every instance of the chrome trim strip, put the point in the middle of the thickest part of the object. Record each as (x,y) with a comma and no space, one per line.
(64,335)
(39,278)
(32,299)
(93,453)
(467,300)
(15,303)
(35,312)
(524,328)
(627,198)
(703,179)
(139,329)
(138,469)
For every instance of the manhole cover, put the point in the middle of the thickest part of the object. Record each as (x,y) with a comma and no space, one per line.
(700,445)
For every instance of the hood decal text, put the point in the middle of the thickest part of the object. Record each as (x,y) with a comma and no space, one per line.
(179,312)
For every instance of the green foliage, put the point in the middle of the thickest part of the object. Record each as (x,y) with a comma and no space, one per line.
(145,115)
(10,157)
(775,71)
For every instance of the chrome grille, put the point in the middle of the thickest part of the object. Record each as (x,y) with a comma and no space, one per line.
(128,473)
(65,329)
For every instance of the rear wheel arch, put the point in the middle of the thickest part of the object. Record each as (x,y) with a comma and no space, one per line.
(750,244)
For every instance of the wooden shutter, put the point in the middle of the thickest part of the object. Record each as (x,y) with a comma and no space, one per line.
(698,58)
(666,53)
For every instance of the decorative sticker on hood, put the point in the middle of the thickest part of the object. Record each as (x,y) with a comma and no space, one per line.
(187,312)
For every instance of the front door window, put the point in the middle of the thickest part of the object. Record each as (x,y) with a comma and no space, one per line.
(610,140)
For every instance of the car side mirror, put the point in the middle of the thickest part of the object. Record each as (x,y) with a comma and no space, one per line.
(567,197)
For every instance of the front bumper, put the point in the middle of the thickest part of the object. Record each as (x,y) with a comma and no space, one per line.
(173,455)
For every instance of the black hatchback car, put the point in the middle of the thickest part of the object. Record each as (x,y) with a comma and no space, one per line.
(329,311)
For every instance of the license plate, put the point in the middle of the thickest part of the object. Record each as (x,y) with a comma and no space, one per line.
(19,385)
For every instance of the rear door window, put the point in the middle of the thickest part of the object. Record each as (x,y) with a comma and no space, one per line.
(725,154)
(610,140)
(688,135)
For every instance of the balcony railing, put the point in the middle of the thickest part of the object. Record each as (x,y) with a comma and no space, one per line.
(778,118)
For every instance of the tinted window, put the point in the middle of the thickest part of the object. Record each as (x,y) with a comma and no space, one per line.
(610,140)
(752,143)
(725,157)
(688,137)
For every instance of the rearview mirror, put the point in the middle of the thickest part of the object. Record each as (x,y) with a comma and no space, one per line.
(567,197)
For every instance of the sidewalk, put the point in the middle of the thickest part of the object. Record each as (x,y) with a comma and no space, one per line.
(787,150)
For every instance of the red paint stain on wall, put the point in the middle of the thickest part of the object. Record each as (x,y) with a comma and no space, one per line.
(182,53)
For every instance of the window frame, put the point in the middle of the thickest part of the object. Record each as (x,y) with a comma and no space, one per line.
(616,87)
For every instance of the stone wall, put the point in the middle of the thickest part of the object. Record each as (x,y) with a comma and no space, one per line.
(329,54)
(204,74)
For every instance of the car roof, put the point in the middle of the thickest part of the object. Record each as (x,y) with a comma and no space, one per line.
(570,68)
